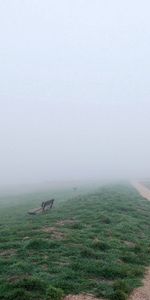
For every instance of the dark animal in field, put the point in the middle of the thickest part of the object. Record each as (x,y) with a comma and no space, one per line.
(47,204)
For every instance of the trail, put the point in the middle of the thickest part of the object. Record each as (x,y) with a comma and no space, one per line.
(142,189)
(142,293)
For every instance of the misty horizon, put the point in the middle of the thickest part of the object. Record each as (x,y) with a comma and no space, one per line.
(74,91)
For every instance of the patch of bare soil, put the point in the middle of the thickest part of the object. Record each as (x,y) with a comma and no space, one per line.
(17,278)
(48,229)
(55,234)
(142,189)
(81,297)
(45,267)
(129,244)
(63,222)
(142,293)
(7,253)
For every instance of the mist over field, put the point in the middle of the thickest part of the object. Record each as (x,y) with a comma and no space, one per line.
(74,91)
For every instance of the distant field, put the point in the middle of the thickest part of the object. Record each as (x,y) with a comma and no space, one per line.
(92,241)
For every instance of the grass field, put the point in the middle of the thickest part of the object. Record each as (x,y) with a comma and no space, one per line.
(97,242)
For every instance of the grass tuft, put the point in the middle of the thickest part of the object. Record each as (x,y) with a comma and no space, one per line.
(54,293)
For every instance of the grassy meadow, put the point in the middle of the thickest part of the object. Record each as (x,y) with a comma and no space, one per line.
(93,241)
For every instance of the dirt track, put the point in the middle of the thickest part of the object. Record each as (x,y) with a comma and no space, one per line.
(143,190)
(142,293)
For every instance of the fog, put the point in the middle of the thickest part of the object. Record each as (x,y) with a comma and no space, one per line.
(74,90)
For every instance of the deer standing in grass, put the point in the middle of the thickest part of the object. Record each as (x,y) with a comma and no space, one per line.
(47,204)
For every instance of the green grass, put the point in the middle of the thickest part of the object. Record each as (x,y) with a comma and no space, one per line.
(97,243)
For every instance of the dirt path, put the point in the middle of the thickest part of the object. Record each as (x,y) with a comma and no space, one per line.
(142,293)
(143,190)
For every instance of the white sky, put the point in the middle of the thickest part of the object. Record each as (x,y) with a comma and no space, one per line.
(74,89)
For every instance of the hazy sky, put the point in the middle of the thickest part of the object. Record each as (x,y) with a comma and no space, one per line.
(74,89)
